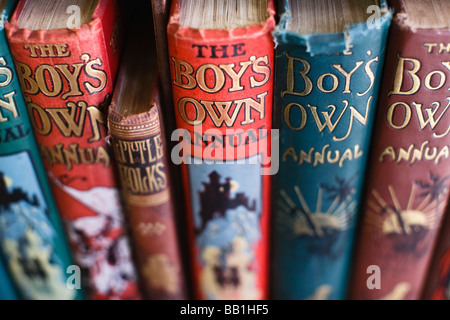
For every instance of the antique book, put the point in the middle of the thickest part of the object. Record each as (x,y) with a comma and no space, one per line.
(32,239)
(408,181)
(221,74)
(437,283)
(66,54)
(139,144)
(329,58)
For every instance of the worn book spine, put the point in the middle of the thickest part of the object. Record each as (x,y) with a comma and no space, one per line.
(32,239)
(326,90)
(222,93)
(67,77)
(140,151)
(408,180)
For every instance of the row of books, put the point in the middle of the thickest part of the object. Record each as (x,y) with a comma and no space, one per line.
(194,149)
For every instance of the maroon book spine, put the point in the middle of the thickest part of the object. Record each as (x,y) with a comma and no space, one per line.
(409,176)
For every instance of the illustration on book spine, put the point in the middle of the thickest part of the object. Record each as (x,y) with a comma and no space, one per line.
(227,212)
(27,236)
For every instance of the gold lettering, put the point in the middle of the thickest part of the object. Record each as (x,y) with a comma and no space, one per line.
(96,118)
(65,118)
(348,76)
(183,70)
(327,116)
(71,156)
(430,46)
(223,115)
(158,146)
(287,116)
(235,77)
(8,105)
(429,77)
(444,47)
(27,83)
(55,80)
(389,151)
(5,71)
(249,104)
(348,155)
(306,157)
(290,77)
(354,114)
(95,73)
(399,76)
(219,78)
(390,115)
(370,74)
(36,112)
(72,78)
(260,69)
(320,82)
(290,152)
(199,112)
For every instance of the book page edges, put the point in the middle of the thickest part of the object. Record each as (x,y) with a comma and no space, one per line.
(253,31)
(38,36)
(401,19)
(327,43)
(116,118)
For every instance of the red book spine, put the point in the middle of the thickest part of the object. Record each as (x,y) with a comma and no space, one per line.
(409,175)
(222,83)
(67,78)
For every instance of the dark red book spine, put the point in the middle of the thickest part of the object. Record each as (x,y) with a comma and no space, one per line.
(139,146)
(409,174)
(67,77)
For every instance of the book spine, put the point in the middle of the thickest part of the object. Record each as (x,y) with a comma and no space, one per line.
(67,78)
(437,284)
(326,90)
(222,92)
(32,238)
(408,180)
(140,153)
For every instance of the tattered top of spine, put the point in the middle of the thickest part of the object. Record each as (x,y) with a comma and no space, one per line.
(326,43)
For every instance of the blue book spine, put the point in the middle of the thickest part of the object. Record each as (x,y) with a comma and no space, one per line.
(325,97)
(33,243)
